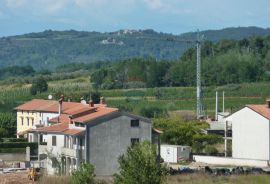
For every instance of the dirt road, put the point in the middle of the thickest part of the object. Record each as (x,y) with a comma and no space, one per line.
(15,178)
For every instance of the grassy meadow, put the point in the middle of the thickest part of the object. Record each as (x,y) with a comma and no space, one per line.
(181,179)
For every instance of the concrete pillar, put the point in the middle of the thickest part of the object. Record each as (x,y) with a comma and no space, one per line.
(71,165)
(77,143)
(27,153)
(67,165)
(77,163)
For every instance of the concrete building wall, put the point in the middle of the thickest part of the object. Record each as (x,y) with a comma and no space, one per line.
(111,138)
(46,116)
(250,134)
(54,150)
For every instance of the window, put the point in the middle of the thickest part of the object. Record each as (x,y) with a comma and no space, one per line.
(53,140)
(79,124)
(134,141)
(22,120)
(134,123)
(32,121)
(27,121)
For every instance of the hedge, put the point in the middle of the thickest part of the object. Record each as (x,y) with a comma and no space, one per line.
(32,145)
(12,150)
(13,140)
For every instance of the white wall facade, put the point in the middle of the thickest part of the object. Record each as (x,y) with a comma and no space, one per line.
(45,116)
(250,135)
(168,153)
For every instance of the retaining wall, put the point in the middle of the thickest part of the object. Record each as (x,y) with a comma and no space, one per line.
(230,161)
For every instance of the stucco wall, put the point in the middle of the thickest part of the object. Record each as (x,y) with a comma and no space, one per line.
(250,134)
(38,118)
(54,150)
(109,139)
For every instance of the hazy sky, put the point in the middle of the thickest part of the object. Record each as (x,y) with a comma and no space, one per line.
(172,16)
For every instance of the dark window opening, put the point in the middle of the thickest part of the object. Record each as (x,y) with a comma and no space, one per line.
(53,140)
(134,123)
(134,141)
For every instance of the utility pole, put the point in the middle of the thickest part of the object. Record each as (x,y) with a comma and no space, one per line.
(223,104)
(225,137)
(199,89)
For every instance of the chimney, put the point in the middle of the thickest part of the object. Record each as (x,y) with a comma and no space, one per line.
(60,104)
(268,103)
(91,103)
(102,100)
(70,119)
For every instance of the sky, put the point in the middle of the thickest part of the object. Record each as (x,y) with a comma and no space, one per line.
(170,16)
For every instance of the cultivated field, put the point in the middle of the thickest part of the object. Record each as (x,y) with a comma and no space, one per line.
(170,98)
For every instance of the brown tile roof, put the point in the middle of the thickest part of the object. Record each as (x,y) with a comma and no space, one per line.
(261,109)
(60,128)
(73,131)
(63,118)
(51,106)
(100,111)
(81,113)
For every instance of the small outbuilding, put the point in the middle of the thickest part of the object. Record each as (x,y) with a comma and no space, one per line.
(174,153)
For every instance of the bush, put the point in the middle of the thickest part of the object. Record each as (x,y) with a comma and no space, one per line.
(85,174)
(210,150)
(32,145)
(139,165)
(3,132)
(39,85)
(12,150)
(13,140)
(153,112)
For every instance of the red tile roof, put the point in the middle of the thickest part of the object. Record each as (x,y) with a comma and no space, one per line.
(51,106)
(261,109)
(60,128)
(63,118)
(81,113)
(73,131)
(101,111)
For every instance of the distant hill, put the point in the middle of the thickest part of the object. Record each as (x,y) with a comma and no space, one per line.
(49,49)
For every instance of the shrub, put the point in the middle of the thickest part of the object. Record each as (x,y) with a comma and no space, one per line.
(32,145)
(12,150)
(3,132)
(139,165)
(85,174)
(39,85)
(152,112)
(13,140)
(210,150)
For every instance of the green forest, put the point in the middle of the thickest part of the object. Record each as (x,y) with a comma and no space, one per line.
(224,62)
(49,49)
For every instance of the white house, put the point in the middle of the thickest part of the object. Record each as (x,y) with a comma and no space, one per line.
(251,132)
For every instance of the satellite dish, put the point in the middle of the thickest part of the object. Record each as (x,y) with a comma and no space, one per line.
(50,97)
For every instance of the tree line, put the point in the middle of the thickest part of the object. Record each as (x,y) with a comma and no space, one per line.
(224,62)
